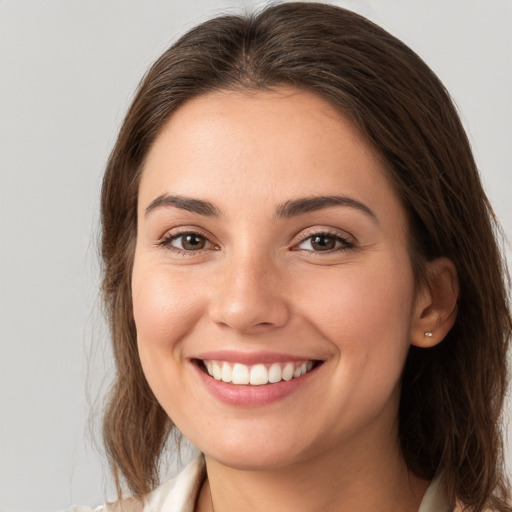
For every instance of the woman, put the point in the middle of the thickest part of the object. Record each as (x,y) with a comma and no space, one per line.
(301,276)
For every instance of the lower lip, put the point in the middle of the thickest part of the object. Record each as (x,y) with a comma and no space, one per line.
(252,396)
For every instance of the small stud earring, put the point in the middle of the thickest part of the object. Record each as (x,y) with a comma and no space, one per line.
(428,334)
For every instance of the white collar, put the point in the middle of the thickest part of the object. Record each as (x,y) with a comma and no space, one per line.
(180,494)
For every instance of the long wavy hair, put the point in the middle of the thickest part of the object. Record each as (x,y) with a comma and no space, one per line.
(452,394)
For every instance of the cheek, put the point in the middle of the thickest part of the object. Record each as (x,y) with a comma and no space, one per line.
(364,312)
(165,309)
(364,308)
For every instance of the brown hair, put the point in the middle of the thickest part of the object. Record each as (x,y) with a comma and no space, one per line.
(452,394)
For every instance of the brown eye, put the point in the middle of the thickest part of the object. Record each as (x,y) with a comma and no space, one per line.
(324,242)
(189,242)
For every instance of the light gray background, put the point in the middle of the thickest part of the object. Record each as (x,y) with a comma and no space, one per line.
(68,69)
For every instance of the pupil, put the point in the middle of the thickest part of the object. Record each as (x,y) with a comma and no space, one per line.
(323,243)
(193,242)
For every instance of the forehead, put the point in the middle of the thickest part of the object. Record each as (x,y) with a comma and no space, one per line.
(268,146)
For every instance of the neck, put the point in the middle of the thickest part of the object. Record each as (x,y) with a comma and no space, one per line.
(365,478)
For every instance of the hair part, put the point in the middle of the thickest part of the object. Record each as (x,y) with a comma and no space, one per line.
(452,394)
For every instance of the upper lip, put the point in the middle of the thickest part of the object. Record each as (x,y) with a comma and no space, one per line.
(250,358)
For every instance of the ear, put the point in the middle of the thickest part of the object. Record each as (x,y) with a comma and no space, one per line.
(435,308)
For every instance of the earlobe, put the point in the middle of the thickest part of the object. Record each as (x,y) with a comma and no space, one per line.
(436,304)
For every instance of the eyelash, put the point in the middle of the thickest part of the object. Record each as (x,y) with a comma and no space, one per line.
(343,242)
(167,240)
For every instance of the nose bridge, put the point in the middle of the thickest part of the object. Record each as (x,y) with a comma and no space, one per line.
(249,292)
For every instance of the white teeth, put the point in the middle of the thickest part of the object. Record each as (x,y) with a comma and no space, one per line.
(240,374)
(301,370)
(227,373)
(274,373)
(258,374)
(287,373)
(216,370)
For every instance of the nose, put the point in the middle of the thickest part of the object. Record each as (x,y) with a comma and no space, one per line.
(249,296)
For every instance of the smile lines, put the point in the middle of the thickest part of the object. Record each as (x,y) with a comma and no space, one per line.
(258,374)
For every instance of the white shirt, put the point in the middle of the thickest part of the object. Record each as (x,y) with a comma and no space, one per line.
(180,495)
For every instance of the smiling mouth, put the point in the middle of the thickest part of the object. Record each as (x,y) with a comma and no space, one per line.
(260,374)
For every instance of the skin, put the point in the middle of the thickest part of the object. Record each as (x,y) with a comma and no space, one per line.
(258,284)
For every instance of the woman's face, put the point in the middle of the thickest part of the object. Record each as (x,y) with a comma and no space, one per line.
(270,243)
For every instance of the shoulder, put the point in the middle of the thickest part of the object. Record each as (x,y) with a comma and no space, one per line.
(85,508)
(435,499)
(459,507)
(127,505)
(180,493)
(176,495)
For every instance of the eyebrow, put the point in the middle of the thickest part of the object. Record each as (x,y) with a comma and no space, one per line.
(184,203)
(288,209)
(309,204)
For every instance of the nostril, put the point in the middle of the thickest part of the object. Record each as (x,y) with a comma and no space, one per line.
(246,316)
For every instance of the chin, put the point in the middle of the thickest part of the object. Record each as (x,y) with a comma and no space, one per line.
(255,455)
(252,460)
